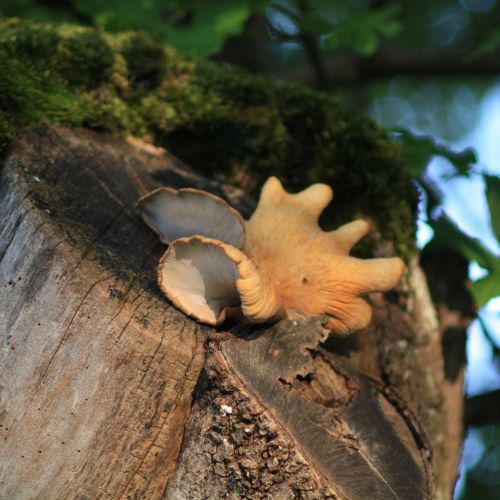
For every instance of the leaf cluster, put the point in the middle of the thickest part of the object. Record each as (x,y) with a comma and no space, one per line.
(337,25)
(447,235)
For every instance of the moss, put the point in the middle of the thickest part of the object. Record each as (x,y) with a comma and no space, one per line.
(218,119)
(6,131)
(84,59)
(32,41)
(146,61)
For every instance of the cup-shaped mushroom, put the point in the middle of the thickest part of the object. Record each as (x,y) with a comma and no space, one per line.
(205,278)
(174,214)
(196,275)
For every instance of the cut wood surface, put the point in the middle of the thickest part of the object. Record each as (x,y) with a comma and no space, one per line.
(108,391)
(97,369)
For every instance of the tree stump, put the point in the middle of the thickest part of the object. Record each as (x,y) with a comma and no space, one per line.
(108,391)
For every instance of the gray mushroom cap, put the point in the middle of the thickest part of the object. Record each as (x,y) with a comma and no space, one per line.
(188,212)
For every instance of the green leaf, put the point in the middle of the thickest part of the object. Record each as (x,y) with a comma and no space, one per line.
(197,28)
(366,43)
(315,23)
(486,288)
(361,30)
(420,149)
(448,236)
(490,44)
(390,28)
(117,15)
(211,26)
(493,199)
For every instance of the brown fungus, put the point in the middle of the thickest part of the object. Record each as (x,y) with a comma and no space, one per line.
(277,264)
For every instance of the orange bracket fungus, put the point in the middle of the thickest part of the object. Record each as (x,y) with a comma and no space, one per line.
(278,264)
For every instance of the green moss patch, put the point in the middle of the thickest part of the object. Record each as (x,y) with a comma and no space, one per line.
(217,118)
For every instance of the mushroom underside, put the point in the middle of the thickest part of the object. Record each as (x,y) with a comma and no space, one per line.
(199,278)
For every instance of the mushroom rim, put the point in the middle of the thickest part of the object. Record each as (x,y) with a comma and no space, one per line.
(221,317)
(179,192)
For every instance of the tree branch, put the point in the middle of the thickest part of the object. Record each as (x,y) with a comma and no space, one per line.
(349,68)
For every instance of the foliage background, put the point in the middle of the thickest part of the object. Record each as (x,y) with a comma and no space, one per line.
(428,72)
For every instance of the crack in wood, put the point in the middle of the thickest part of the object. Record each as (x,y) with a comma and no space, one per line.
(122,331)
(164,419)
(160,343)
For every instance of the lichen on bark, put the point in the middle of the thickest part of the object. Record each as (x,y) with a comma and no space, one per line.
(215,117)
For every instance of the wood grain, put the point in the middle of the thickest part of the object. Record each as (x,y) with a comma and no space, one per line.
(97,369)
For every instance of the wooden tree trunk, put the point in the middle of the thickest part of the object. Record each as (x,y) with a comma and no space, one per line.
(108,391)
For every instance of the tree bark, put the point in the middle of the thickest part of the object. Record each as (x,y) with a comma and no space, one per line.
(108,391)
